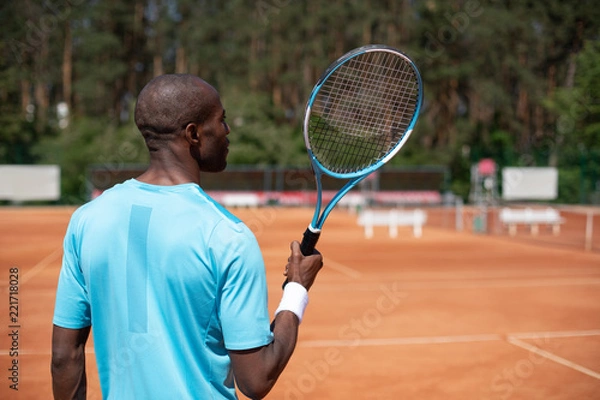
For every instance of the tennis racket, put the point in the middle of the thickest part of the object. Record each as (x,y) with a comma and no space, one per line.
(358,116)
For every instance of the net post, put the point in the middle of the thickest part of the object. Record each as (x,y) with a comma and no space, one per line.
(589,228)
(419,220)
(393,224)
(459,214)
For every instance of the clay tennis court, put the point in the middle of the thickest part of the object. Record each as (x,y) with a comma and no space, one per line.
(446,316)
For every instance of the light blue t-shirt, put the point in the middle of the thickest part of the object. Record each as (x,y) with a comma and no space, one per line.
(168,280)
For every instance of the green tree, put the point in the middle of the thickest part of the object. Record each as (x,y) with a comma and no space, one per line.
(578,127)
(502,79)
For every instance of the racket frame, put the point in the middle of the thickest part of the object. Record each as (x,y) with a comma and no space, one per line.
(356,176)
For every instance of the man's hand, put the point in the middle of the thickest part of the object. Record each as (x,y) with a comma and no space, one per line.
(303,269)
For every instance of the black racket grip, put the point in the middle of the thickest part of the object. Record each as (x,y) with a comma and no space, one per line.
(309,242)
(307,246)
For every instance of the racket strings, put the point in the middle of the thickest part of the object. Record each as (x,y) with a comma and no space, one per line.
(362,111)
(377,95)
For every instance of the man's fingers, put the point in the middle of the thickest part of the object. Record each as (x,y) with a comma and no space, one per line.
(296,253)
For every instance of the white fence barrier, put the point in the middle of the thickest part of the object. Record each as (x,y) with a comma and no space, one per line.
(393,219)
(353,201)
(241,200)
(531,217)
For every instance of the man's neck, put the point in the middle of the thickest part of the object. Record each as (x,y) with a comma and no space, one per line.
(169,172)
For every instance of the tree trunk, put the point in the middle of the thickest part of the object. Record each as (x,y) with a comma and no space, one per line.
(276,48)
(180,60)
(137,40)
(157,64)
(572,68)
(253,57)
(40,91)
(25,95)
(67,70)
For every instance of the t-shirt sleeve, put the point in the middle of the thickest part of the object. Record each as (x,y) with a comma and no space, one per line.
(72,307)
(243,303)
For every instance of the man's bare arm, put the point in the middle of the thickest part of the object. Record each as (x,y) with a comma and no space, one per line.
(257,370)
(68,363)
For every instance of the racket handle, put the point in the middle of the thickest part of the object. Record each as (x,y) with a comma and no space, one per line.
(307,246)
(309,241)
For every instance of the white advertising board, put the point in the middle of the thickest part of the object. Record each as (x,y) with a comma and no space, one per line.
(529,183)
(29,182)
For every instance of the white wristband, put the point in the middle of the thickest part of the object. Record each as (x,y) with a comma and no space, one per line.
(295,299)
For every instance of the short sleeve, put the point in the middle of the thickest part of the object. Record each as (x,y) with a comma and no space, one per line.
(243,302)
(72,307)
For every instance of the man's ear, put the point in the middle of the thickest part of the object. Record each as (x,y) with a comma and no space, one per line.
(192,133)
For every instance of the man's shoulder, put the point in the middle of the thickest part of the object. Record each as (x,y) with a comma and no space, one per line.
(189,202)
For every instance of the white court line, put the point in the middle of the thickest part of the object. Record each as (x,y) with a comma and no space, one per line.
(551,356)
(473,279)
(471,284)
(37,268)
(476,279)
(516,273)
(402,341)
(560,334)
(416,340)
(503,283)
(88,350)
(41,265)
(399,341)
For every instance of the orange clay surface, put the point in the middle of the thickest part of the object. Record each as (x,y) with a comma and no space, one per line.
(450,315)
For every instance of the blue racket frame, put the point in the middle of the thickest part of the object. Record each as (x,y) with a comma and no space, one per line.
(357,176)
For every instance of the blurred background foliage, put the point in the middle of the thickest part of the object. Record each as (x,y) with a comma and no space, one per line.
(515,81)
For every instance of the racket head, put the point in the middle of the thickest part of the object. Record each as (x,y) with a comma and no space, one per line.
(362,111)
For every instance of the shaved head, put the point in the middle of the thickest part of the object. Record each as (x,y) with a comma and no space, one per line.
(168,103)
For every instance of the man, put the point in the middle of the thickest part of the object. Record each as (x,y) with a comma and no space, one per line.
(173,284)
